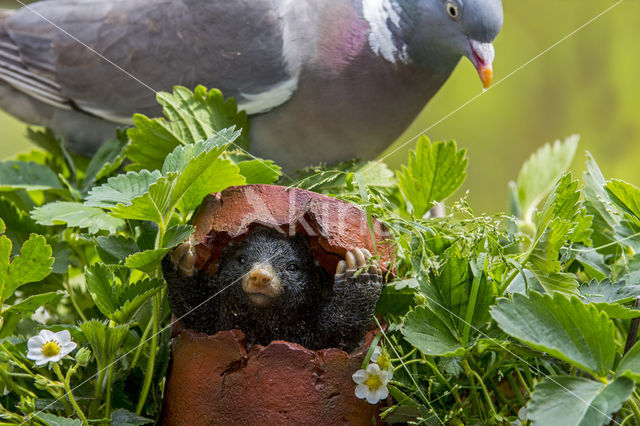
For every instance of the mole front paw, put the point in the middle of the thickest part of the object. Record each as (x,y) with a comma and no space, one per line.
(183,257)
(358,269)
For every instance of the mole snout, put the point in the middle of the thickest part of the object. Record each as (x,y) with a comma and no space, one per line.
(260,278)
(262,284)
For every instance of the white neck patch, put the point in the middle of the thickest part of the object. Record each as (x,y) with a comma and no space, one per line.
(380,14)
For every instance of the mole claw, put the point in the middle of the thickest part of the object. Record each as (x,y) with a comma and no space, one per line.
(183,258)
(341,268)
(360,259)
(351,260)
(367,253)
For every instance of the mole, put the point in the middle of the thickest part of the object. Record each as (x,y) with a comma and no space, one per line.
(270,287)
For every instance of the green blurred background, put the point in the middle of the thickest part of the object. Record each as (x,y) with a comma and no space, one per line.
(589,84)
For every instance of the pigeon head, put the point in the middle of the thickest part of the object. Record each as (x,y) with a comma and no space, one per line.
(437,33)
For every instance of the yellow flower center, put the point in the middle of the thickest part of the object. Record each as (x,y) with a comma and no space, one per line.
(51,349)
(384,362)
(373,382)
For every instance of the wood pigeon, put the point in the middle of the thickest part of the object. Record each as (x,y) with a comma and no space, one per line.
(325,80)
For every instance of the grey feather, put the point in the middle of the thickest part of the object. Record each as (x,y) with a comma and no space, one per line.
(333,79)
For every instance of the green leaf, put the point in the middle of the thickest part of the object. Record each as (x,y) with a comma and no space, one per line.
(630,364)
(122,189)
(435,172)
(32,303)
(105,341)
(100,280)
(154,195)
(568,401)
(116,248)
(33,264)
(554,226)
(146,261)
(218,176)
(52,420)
(611,297)
(122,417)
(610,227)
(259,171)
(448,294)
(116,297)
(76,215)
(19,226)
(5,256)
(397,297)
(626,196)
(108,158)
(2,226)
(177,234)
(563,327)
(30,176)
(426,331)
(540,172)
(191,117)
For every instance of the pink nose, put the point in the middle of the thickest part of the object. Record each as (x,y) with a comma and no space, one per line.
(259,278)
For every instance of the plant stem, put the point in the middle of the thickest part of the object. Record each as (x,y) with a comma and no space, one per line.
(152,355)
(107,404)
(444,380)
(67,388)
(469,370)
(67,285)
(143,340)
(516,390)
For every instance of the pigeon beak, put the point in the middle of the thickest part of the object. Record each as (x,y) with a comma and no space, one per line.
(482,56)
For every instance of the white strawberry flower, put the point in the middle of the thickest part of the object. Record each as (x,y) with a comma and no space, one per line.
(48,346)
(372,383)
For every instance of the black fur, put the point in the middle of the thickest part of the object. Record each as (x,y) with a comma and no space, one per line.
(308,312)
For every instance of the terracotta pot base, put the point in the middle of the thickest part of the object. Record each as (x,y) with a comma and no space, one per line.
(215,380)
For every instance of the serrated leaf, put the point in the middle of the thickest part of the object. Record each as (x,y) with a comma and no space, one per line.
(625,196)
(177,234)
(122,189)
(259,171)
(568,401)
(436,170)
(105,161)
(32,303)
(76,215)
(191,117)
(100,280)
(5,256)
(540,172)
(610,298)
(377,174)
(117,247)
(30,176)
(563,327)
(218,176)
(397,297)
(105,341)
(19,226)
(630,364)
(122,417)
(135,295)
(448,294)
(146,261)
(33,264)
(52,420)
(426,331)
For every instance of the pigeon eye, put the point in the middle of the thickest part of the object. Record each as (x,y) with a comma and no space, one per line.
(452,9)
(242,260)
(292,267)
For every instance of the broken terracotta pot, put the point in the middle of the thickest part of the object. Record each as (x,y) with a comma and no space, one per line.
(216,379)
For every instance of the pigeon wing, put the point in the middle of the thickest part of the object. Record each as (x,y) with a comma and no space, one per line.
(107,58)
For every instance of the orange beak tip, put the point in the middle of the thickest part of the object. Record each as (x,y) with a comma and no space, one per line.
(486,76)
